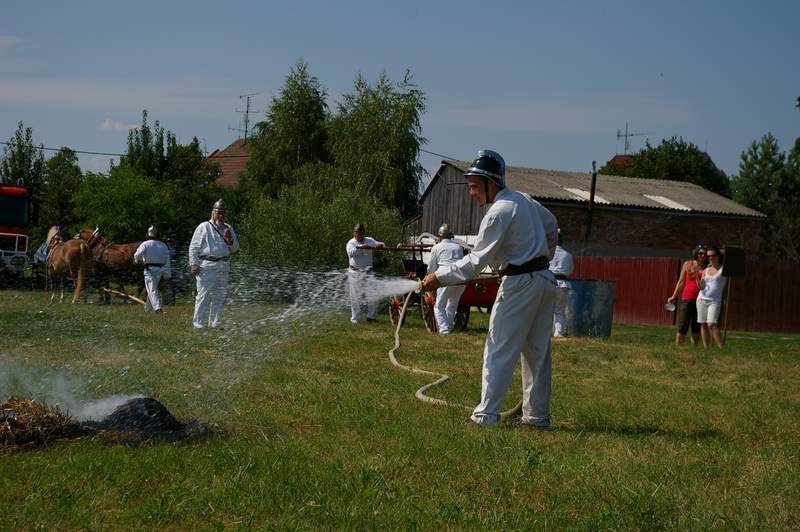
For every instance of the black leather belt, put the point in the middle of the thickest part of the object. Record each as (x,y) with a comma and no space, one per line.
(533,265)
(153,264)
(354,269)
(212,258)
(561,277)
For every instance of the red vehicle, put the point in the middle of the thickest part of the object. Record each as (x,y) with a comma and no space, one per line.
(480,292)
(14,227)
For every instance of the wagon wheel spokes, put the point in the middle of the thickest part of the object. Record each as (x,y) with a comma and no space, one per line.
(395,307)
(462,318)
(427,300)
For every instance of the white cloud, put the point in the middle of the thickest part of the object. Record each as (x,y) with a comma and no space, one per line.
(197,98)
(117,126)
(590,113)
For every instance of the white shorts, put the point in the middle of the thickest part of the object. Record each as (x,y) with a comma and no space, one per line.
(708,310)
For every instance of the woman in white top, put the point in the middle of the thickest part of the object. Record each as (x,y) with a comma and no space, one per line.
(709,300)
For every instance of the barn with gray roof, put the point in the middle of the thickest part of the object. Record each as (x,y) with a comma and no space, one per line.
(630,216)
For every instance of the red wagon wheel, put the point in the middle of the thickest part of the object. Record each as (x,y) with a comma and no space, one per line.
(427,300)
(395,307)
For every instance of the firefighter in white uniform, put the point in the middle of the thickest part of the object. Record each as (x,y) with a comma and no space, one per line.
(516,237)
(443,253)
(359,258)
(561,266)
(213,243)
(153,253)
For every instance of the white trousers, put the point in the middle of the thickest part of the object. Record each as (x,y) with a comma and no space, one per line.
(212,289)
(446,305)
(359,290)
(520,323)
(152,276)
(560,312)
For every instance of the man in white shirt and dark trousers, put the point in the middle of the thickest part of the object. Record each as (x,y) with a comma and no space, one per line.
(359,257)
(561,266)
(516,237)
(447,297)
(153,253)
(213,243)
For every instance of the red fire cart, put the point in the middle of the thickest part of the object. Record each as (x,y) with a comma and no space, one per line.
(479,293)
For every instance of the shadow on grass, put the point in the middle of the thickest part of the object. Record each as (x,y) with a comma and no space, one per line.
(637,430)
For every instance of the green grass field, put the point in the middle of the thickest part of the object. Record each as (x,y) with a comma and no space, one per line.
(323,432)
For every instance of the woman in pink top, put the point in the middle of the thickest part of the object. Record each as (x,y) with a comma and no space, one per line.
(688,289)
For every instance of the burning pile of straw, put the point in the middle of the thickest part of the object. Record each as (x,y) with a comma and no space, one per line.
(25,423)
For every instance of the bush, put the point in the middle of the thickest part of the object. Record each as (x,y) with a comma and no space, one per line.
(308,227)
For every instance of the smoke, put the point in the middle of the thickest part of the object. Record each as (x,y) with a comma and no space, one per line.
(55,389)
(265,307)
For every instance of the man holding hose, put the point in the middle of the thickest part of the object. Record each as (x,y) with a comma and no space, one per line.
(517,237)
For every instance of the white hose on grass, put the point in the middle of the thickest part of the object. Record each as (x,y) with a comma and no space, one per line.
(442,377)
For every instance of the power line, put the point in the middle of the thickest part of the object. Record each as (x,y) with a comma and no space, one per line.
(219,156)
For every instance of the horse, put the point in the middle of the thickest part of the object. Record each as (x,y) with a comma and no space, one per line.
(111,259)
(67,258)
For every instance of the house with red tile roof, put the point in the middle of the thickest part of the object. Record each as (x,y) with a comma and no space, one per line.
(231,162)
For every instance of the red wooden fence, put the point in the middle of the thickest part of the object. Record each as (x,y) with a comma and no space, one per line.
(767,299)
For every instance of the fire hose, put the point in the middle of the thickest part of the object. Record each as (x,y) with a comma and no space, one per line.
(442,377)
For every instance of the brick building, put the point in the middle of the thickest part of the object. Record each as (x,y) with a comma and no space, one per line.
(631,216)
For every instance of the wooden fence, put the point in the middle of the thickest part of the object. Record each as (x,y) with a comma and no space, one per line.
(767,299)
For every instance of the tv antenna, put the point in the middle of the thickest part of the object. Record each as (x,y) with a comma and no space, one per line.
(246,112)
(627,137)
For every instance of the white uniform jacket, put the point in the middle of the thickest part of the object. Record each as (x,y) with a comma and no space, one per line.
(361,259)
(561,264)
(154,254)
(443,253)
(501,242)
(208,241)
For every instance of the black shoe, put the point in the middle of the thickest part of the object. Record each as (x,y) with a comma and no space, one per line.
(372,319)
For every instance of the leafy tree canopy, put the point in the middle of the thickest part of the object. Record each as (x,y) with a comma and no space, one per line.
(62,179)
(769,181)
(375,139)
(292,135)
(676,160)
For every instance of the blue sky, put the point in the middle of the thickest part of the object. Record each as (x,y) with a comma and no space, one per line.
(547,84)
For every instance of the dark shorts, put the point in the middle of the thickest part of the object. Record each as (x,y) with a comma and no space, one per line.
(687,316)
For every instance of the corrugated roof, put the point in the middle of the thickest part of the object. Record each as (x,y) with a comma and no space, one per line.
(618,191)
(231,162)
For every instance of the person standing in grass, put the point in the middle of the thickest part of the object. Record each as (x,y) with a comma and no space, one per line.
(709,300)
(516,238)
(688,289)
(447,297)
(153,253)
(561,266)
(359,257)
(213,243)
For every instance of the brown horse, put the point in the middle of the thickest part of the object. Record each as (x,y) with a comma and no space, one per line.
(67,258)
(111,259)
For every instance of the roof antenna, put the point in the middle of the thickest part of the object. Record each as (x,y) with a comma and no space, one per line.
(627,137)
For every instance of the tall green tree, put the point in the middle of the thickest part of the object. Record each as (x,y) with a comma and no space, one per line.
(676,160)
(375,139)
(292,135)
(157,181)
(761,173)
(23,161)
(769,181)
(62,181)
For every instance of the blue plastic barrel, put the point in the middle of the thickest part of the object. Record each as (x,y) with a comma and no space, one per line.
(590,307)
